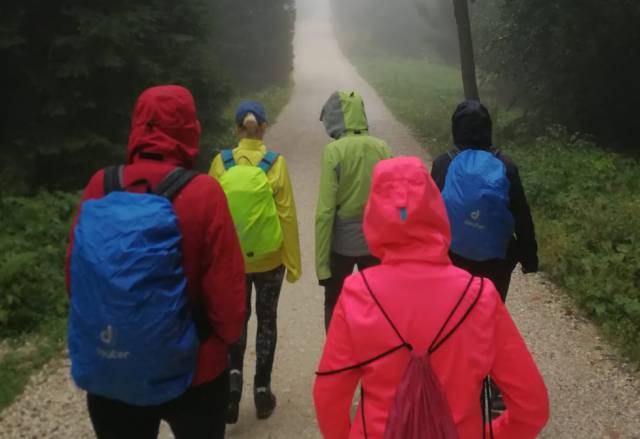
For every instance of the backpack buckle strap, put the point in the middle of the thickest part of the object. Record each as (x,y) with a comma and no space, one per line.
(113,179)
(268,161)
(227,159)
(174,182)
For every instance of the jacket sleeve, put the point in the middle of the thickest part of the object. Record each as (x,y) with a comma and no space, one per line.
(93,190)
(333,394)
(286,205)
(223,279)
(520,382)
(217,167)
(325,213)
(439,170)
(526,245)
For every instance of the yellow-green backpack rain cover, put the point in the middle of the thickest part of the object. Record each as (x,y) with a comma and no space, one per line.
(252,206)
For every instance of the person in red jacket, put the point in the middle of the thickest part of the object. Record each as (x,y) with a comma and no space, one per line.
(165,134)
(417,286)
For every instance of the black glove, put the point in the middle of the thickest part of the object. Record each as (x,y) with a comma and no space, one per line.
(325,282)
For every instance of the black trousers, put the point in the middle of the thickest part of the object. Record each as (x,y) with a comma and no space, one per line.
(268,286)
(341,267)
(200,413)
(497,270)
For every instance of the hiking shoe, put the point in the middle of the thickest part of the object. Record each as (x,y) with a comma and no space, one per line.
(235,394)
(265,402)
(233,412)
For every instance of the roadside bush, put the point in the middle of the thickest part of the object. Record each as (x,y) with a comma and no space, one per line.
(32,252)
(586,204)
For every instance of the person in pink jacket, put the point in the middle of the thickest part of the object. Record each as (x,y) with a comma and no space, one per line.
(406,226)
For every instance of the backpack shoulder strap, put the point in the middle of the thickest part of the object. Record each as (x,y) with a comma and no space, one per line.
(227,159)
(268,161)
(439,340)
(174,182)
(384,313)
(453,153)
(113,179)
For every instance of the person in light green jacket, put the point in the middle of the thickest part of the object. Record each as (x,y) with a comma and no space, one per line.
(347,167)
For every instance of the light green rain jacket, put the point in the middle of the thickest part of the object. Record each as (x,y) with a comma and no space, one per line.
(347,167)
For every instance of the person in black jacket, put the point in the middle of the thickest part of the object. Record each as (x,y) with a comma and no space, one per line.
(472,128)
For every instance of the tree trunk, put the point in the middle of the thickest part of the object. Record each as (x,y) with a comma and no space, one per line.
(467,61)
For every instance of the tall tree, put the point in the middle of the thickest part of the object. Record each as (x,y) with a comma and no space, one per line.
(467,59)
(465,39)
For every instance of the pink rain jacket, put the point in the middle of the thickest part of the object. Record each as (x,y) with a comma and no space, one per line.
(418,287)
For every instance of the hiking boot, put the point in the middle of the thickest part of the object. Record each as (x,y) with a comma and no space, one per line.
(265,402)
(235,394)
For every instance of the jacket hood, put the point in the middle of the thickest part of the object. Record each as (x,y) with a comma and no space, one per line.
(471,125)
(165,127)
(344,113)
(406,218)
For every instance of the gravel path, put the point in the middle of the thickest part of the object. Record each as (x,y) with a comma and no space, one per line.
(593,395)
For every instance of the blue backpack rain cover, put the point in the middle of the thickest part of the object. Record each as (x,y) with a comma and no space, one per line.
(132,336)
(476,194)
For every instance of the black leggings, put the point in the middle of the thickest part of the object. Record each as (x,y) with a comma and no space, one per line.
(197,414)
(268,286)
(341,267)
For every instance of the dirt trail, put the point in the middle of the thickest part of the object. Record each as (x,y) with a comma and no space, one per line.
(592,395)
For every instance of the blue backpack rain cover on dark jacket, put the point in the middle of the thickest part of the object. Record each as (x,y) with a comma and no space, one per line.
(476,194)
(132,337)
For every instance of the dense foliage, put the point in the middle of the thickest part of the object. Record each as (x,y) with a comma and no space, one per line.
(32,249)
(76,67)
(574,63)
(587,205)
(585,200)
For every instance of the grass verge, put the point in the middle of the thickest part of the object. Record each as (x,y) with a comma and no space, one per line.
(585,199)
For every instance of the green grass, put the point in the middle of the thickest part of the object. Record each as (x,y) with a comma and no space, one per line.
(585,200)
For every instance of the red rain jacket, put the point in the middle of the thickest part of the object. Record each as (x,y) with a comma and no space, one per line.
(418,287)
(164,134)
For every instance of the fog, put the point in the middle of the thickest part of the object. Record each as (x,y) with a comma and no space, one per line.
(406,27)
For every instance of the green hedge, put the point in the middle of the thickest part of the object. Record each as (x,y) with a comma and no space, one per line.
(32,249)
(586,203)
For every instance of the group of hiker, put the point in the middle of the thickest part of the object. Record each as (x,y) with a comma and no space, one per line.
(163,261)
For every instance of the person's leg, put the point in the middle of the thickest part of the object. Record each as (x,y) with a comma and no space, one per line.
(268,287)
(116,420)
(499,272)
(236,360)
(200,412)
(341,267)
